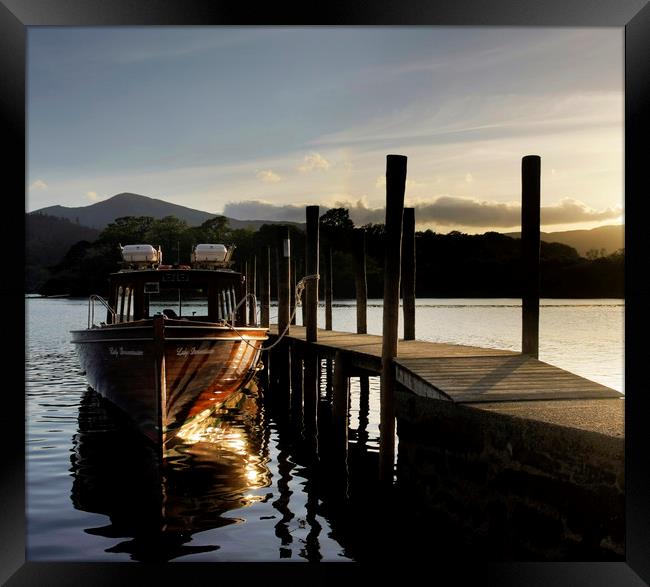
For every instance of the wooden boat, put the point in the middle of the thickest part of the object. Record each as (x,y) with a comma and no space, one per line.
(174,343)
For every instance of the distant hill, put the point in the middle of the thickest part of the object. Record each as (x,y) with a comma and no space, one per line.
(98,216)
(610,238)
(51,231)
(47,238)
(101,214)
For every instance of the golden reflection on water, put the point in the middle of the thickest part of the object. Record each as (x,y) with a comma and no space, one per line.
(214,467)
(227,438)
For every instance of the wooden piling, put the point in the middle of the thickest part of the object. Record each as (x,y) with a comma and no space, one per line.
(247,287)
(294,273)
(311,389)
(252,289)
(311,261)
(360,282)
(395,187)
(408,273)
(280,380)
(303,305)
(340,402)
(265,288)
(364,412)
(328,288)
(284,279)
(530,246)
(296,385)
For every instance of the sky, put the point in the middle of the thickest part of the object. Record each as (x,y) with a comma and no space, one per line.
(256,122)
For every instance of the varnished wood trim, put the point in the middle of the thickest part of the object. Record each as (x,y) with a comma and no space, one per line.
(112,340)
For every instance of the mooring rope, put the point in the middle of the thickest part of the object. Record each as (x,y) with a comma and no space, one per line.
(300,286)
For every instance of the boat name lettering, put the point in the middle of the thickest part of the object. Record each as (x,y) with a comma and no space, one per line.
(121,351)
(183,351)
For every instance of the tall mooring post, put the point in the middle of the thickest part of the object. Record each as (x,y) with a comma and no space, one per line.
(311,261)
(328,288)
(303,305)
(395,187)
(408,273)
(294,273)
(360,283)
(530,247)
(284,279)
(279,356)
(252,289)
(265,287)
(247,300)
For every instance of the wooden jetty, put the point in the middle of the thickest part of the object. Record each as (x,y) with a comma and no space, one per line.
(448,372)
(484,433)
(456,373)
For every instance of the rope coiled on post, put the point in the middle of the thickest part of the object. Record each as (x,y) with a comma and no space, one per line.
(300,287)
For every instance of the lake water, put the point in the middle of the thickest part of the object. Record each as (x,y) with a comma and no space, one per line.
(253,489)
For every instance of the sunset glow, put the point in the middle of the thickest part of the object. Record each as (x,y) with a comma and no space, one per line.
(257,122)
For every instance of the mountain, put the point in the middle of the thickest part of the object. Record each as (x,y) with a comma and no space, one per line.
(101,214)
(608,238)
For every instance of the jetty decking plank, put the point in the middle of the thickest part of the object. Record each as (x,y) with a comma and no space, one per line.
(461,373)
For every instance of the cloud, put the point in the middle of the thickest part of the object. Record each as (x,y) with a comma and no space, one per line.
(39,184)
(268,176)
(469,178)
(445,211)
(314,161)
(570,210)
(261,210)
(453,211)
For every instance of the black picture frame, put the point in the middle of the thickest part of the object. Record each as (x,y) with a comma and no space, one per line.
(17,15)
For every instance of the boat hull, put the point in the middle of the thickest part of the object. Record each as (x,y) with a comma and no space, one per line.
(163,372)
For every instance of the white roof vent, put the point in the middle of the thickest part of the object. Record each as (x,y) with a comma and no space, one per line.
(209,255)
(141,255)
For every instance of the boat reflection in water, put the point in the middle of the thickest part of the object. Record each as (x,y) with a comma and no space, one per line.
(215,463)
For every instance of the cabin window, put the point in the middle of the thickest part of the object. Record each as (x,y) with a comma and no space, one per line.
(191,300)
(221,306)
(194,302)
(129,304)
(226,303)
(179,302)
(124,304)
(233,298)
(120,303)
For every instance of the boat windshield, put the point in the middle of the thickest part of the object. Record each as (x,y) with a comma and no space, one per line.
(177,302)
(191,295)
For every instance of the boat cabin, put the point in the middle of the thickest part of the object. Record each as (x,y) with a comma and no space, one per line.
(206,291)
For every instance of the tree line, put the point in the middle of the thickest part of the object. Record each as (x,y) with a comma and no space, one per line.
(447,265)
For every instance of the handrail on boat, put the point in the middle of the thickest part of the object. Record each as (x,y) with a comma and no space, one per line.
(91,309)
